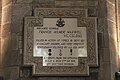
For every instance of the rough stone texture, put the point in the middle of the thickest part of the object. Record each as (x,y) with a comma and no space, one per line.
(111,11)
(6,14)
(14,12)
(19,11)
(75,3)
(6,2)
(112,1)
(12,73)
(102,9)
(71,3)
(105,56)
(110,50)
(0,41)
(112,32)
(105,70)
(10,58)
(118,24)
(22,1)
(104,53)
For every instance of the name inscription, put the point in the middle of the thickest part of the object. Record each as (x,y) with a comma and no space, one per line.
(60,45)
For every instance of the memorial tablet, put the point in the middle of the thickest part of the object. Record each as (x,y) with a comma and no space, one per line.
(60,42)
(60,45)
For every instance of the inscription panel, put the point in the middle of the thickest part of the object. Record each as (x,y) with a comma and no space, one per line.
(51,37)
(60,46)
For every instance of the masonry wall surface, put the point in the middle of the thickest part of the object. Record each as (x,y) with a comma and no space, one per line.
(14,12)
(0,39)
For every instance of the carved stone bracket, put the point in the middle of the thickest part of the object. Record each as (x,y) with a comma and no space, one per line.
(83,63)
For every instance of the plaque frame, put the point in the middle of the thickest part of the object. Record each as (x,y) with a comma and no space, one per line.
(83,21)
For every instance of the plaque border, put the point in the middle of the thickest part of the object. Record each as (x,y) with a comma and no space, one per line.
(37,20)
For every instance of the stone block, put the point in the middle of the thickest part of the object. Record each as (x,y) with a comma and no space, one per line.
(105,40)
(43,1)
(42,5)
(63,3)
(111,1)
(105,71)
(19,11)
(69,78)
(100,40)
(11,73)
(22,1)
(6,30)
(118,3)
(113,44)
(1,2)
(48,78)
(1,71)
(112,29)
(6,14)
(12,59)
(113,51)
(26,72)
(21,51)
(6,2)
(20,44)
(9,57)
(114,69)
(92,12)
(30,78)
(16,27)
(102,25)
(105,55)
(100,56)
(0,55)
(118,18)
(93,76)
(102,9)
(77,3)
(20,38)
(92,3)
(14,41)
(6,42)
(111,15)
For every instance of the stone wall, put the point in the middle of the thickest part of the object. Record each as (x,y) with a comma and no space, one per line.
(0,38)
(118,22)
(113,37)
(7,55)
(13,15)
(109,54)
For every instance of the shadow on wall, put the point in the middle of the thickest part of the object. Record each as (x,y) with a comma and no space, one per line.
(1,78)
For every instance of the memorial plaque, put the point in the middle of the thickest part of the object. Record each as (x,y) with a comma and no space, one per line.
(60,42)
(60,46)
